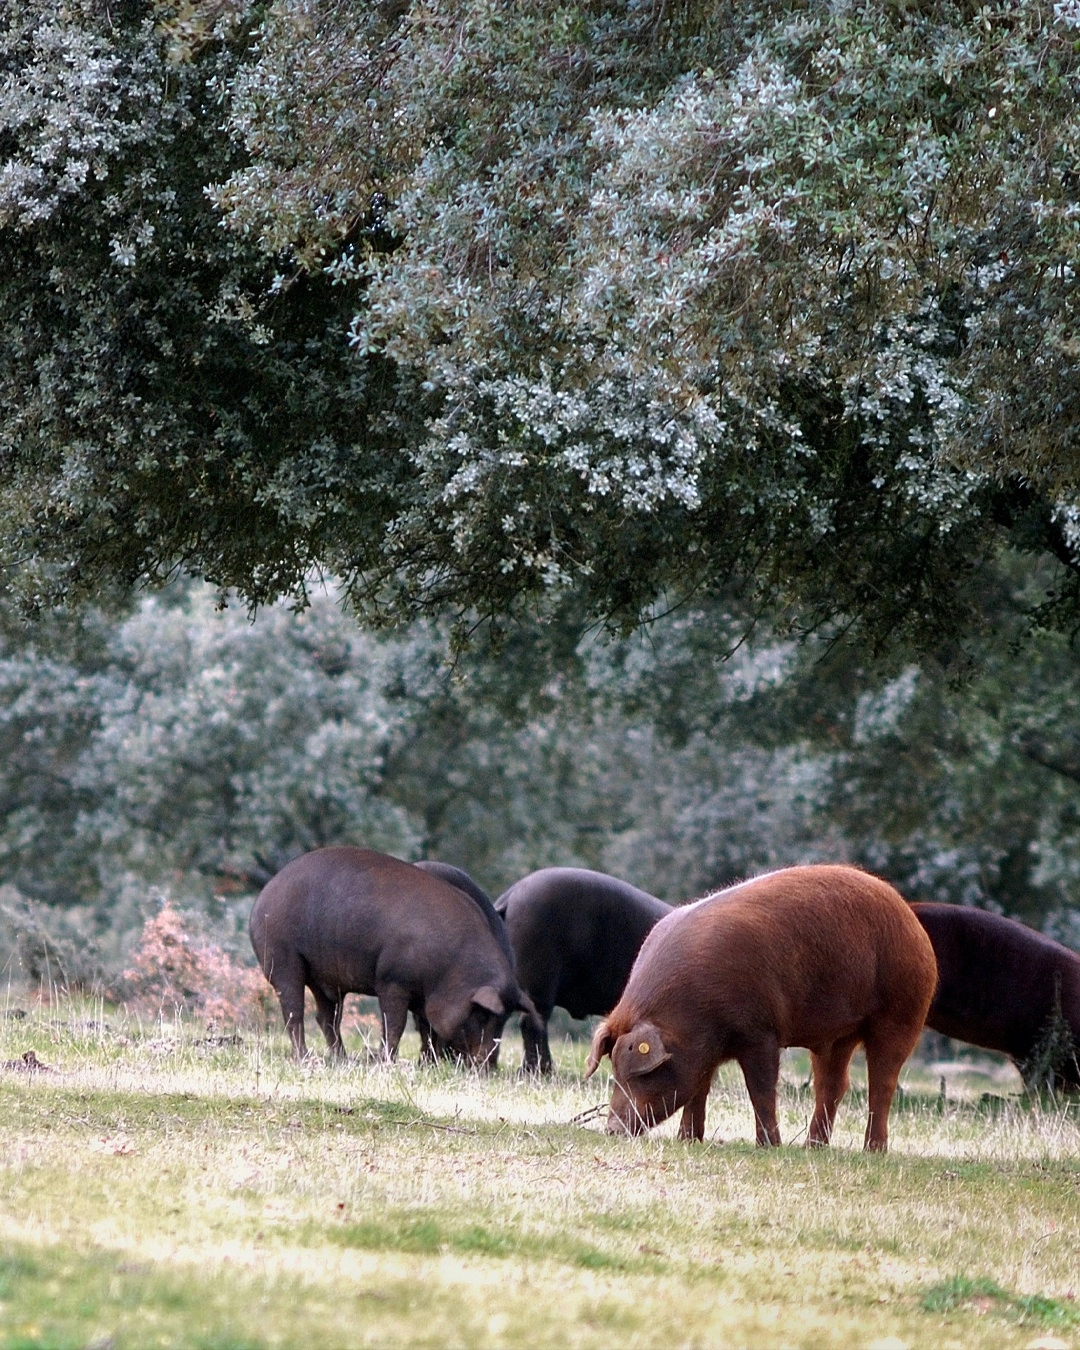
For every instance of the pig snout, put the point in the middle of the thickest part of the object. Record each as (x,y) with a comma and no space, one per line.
(623,1116)
(632,1116)
(477,1043)
(486,1057)
(627,1124)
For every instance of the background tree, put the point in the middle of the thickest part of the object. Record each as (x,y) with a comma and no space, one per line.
(179,749)
(646,302)
(704,295)
(163,388)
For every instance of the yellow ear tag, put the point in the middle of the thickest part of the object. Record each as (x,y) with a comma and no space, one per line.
(643,1048)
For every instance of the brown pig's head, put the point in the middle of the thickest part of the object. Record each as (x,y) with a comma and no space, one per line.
(647,1087)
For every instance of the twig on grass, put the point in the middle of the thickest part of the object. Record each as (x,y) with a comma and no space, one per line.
(434,1125)
(590,1114)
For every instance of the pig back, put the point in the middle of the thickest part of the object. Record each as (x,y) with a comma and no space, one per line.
(806,954)
(460,880)
(575,935)
(356,917)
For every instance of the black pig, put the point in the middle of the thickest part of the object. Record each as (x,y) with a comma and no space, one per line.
(575,935)
(998,982)
(349,920)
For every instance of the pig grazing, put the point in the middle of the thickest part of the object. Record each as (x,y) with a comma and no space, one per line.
(1000,985)
(824,957)
(431,1046)
(575,935)
(349,920)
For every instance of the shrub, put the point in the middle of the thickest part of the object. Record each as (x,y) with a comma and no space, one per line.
(46,947)
(177,967)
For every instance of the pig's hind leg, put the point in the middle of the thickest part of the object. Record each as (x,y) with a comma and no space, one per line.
(760,1064)
(831,1081)
(328,1010)
(888,1045)
(287,977)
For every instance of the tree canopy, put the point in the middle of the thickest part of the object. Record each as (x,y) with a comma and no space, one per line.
(476,303)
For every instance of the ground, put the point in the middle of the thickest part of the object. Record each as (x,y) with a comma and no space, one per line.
(158,1187)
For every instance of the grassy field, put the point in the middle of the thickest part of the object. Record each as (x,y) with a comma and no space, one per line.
(158,1190)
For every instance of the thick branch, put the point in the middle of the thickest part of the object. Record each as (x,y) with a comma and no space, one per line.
(1032,746)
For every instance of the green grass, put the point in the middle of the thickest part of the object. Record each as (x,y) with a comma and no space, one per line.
(158,1191)
(986,1296)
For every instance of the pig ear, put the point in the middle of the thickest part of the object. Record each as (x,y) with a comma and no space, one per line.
(602,1041)
(447,1011)
(639,1051)
(489,998)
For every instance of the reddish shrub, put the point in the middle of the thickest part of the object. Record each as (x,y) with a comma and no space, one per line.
(174,967)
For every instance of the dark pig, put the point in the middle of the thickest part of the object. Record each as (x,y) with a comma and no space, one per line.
(825,957)
(432,1047)
(1000,985)
(350,920)
(454,876)
(575,935)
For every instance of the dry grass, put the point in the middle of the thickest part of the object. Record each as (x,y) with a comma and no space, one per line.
(156,1190)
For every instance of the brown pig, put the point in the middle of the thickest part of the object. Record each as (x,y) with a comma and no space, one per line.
(825,957)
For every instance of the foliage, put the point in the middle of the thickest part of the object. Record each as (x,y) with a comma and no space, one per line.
(228,741)
(765,293)
(158,393)
(174,968)
(50,703)
(181,748)
(46,950)
(646,301)
(187,748)
(201,751)
(963,791)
